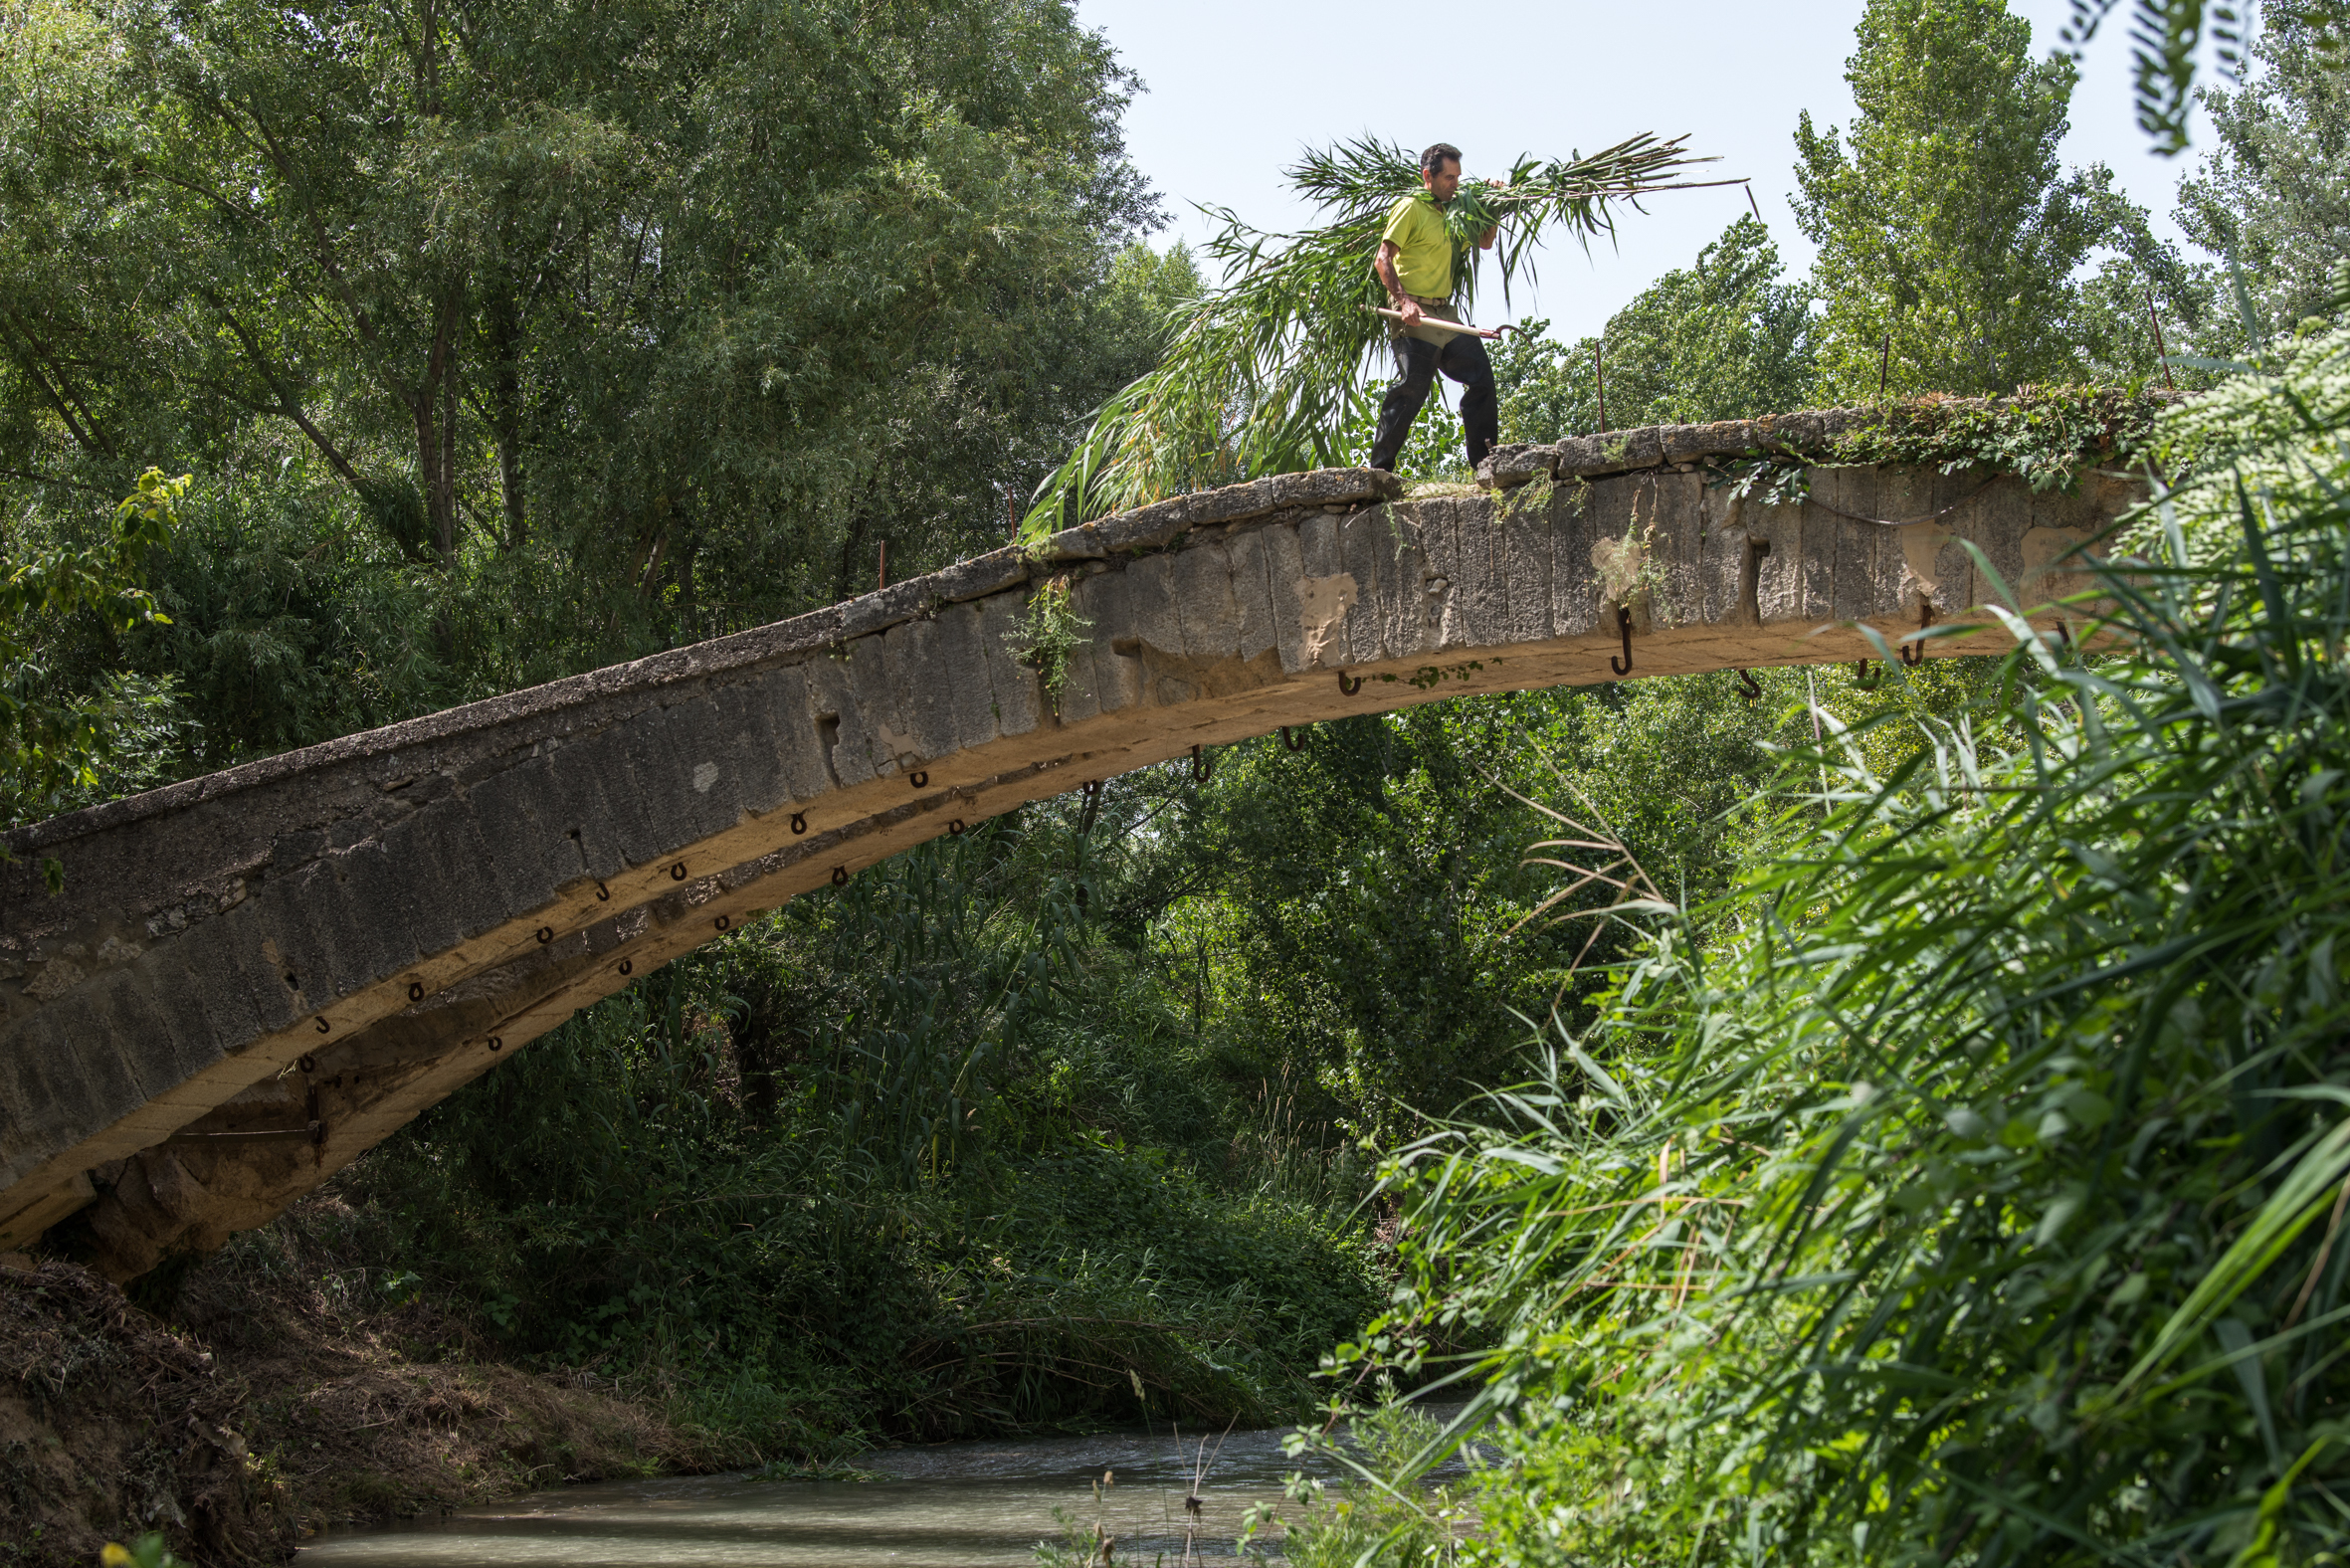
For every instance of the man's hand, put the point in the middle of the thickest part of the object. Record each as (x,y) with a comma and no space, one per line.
(1410,308)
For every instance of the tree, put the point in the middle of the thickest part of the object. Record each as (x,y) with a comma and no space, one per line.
(506,342)
(1724,339)
(1944,223)
(2273,194)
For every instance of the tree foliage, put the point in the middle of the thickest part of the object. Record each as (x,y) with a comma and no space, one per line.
(505,341)
(1726,338)
(2273,196)
(1944,223)
(59,742)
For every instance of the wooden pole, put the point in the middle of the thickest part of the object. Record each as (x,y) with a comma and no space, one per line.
(1600,371)
(2161,350)
(883,580)
(1442,327)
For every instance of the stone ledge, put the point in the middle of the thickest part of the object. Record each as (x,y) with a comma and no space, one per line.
(1157,524)
(1619,450)
(1146,528)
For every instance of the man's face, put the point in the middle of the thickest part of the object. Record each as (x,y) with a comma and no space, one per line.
(1445,181)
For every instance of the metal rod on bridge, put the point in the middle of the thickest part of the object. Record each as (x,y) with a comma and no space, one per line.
(2161,350)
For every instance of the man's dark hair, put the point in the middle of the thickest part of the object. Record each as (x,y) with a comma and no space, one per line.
(1433,161)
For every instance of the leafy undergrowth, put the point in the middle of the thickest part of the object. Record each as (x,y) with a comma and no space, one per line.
(270,1406)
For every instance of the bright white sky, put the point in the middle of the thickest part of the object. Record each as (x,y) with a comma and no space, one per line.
(1236,87)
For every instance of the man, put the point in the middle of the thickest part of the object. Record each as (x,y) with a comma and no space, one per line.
(1415,261)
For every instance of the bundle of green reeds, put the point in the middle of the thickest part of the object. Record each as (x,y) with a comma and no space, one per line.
(1261,370)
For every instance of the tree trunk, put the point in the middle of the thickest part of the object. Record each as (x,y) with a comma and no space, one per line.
(505,409)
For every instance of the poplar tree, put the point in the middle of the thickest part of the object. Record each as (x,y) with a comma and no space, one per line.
(1946,226)
(2274,193)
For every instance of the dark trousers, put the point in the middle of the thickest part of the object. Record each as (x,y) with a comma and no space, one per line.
(1415,364)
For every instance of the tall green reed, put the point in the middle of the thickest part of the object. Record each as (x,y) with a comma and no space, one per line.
(1969,1186)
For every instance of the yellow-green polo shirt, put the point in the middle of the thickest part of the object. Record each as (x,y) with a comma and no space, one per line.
(1424,252)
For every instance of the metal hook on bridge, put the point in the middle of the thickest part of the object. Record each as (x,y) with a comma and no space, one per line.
(1201,767)
(1624,626)
(1350,687)
(1292,742)
(1863,678)
(1747,688)
(1914,653)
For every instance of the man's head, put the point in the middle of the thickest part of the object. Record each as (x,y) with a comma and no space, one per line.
(1440,171)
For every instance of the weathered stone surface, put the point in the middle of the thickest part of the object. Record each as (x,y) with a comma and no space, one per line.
(481,875)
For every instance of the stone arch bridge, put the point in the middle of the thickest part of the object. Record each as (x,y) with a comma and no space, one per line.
(251,977)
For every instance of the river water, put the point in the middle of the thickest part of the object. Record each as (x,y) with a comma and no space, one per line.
(951,1505)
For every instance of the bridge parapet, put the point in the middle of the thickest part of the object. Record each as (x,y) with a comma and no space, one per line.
(251,977)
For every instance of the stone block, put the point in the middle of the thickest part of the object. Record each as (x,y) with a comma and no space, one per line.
(1251,593)
(1672,524)
(1380,551)
(110,1090)
(445,861)
(1285,578)
(700,778)
(602,799)
(209,951)
(782,692)
(1207,609)
(177,998)
(885,730)
(1507,468)
(530,848)
(1574,584)
(53,1098)
(292,931)
(1150,610)
(1521,561)
(754,745)
(1793,582)
(1485,605)
(1612,451)
(400,929)
(379,881)
(1018,692)
(358,949)
(997,571)
(843,737)
(126,1019)
(884,608)
(962,655)
(1117,677)
(920,693)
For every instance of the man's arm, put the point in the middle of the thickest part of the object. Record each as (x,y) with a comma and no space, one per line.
(1384,265)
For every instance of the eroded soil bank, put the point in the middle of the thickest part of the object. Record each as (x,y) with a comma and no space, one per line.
(253,1405)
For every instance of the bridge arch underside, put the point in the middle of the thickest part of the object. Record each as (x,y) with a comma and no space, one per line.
(253,977)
